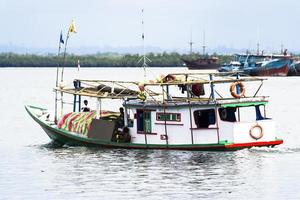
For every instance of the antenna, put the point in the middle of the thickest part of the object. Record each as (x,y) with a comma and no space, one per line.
(144,57)
(281,50)
(191,41)
(258,38)
(203,46)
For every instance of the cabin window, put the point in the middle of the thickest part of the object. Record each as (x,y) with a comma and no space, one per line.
(175,117)
(144,121)
(241,114)
(204,118)
(228,114)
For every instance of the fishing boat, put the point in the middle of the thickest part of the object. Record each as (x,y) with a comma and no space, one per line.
(174,111)
(294,69)
(260,64)
(203,62)
(233,66)
(206,63)
(273,67)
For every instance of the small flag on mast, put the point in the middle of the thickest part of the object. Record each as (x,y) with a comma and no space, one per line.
(78,65)
(72,28)
(61,40)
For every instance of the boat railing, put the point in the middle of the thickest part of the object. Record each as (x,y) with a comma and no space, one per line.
(109,89)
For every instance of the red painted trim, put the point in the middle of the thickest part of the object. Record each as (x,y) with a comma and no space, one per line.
(143,133)
(252,144)
(168,124)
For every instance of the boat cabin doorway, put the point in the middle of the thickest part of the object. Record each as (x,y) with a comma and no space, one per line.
(144,121)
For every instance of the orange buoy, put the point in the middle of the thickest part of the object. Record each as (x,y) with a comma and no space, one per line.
(234,93)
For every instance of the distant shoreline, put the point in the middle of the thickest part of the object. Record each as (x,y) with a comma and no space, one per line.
(8,60)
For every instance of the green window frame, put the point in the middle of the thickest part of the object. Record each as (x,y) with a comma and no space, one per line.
(147,122)
(173,117)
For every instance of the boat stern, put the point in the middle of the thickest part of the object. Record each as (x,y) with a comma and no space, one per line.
(256,134)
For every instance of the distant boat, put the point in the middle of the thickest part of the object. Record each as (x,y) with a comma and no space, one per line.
(274,67)
(260,65)
(294,69)
(233,66)
(202,63)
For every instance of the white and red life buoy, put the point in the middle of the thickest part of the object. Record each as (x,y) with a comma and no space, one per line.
(256,132)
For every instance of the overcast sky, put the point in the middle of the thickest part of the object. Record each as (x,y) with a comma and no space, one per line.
(117,23)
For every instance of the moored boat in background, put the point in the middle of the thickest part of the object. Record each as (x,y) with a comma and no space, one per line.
(294,69)
(206,63)
(260,64)
(273,67)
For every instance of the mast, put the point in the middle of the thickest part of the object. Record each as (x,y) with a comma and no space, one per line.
(71,29)
(203,46)
(62,74)
(258,39)
(144,57)
(57,72)
(257,48)
(64,57)
(143,38)
(191,41)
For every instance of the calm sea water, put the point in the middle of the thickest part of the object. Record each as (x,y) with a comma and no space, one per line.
(31,168)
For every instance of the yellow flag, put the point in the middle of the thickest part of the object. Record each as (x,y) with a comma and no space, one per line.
(72,28)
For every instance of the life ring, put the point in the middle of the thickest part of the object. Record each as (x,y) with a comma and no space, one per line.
(254,134)
(234,93)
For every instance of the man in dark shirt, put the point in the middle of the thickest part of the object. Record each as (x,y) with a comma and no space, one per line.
(85,108)
(121,118)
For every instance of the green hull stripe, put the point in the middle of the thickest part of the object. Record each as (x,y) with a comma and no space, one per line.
(66,137)
(243,104)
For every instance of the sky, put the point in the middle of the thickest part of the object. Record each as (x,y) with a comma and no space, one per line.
(168,24)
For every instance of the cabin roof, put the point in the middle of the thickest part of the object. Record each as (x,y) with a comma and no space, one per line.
(131,89)
(102,89)
(202,102)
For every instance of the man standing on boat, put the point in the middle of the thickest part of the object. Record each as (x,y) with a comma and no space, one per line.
(85,108)
(121,118)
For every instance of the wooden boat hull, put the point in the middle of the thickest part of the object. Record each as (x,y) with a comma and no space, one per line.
(201,64)
(64,137)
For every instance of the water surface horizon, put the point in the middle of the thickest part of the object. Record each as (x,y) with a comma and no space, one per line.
(32,167)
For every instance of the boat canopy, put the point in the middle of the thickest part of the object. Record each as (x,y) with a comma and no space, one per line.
(108,89)
(101,89)
(202,78)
